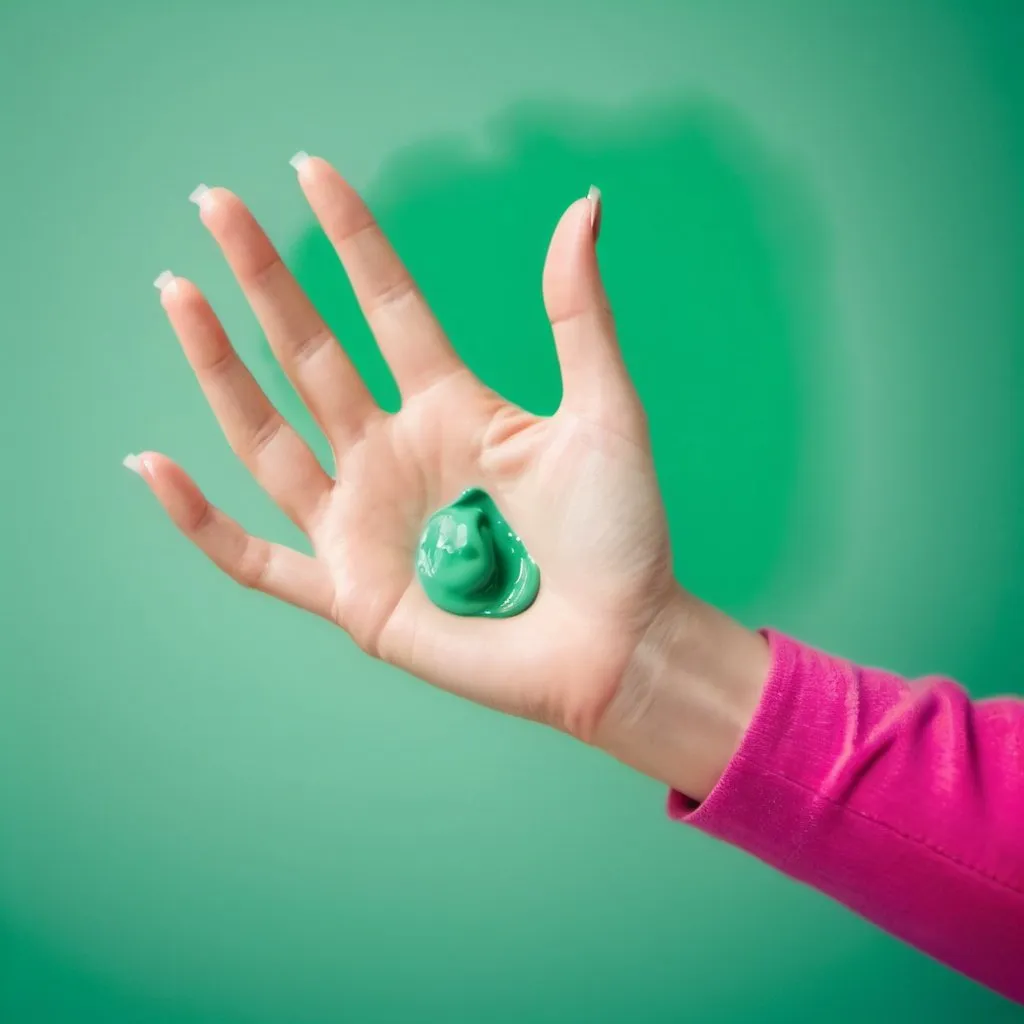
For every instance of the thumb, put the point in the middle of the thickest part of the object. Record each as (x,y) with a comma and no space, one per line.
(595,383)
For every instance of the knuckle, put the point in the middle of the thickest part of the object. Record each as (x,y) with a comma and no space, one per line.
(350,222)
(251,570)
(198,516)
(220,363)
(310,345)
(263,277)
(263,436)
(392,294)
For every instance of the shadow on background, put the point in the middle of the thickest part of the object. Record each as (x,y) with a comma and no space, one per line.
(714,263)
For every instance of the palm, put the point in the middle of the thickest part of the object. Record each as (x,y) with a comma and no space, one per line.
(562,483)
(579,487)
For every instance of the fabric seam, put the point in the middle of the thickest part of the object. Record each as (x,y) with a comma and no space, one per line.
(938,850)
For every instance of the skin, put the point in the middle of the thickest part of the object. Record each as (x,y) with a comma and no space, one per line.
(613,652)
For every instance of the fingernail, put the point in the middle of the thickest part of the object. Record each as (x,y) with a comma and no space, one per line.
(139,464)
(196,195)
(299,159)
(164,280)
(594,198)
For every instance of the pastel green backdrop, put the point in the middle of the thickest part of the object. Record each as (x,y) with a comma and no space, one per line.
(213,808)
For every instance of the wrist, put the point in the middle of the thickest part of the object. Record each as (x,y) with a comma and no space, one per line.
(687,696)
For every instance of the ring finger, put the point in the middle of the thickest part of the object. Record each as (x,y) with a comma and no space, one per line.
(277,457)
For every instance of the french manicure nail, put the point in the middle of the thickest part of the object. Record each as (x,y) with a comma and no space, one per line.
(163,281)
(299,159)
(196,195)
(594,198)
(140,464)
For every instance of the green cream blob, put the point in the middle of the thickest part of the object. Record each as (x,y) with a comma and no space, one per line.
(471,562)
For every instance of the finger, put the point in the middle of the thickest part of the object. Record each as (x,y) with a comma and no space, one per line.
(322,374)
(255,563)
(409,336)
(274,453)
(595,383)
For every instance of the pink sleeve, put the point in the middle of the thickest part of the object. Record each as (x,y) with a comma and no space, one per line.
(902,800)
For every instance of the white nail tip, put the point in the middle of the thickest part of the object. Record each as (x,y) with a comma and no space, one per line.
(132,462)
(594,198)
(299,159)
(163,279)
(196,195)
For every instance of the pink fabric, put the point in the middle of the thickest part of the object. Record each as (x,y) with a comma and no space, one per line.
(903,800)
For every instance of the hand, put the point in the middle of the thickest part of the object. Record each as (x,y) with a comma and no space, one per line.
(579,487)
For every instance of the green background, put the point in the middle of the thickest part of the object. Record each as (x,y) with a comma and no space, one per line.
(215,809)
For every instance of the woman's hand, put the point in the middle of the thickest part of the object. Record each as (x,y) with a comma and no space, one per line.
(579,487)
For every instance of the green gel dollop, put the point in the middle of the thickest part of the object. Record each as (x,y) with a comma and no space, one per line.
(471,562)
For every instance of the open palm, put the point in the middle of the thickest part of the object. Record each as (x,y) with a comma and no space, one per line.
(579,487)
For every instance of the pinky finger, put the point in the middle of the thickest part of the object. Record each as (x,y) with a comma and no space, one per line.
(257,564)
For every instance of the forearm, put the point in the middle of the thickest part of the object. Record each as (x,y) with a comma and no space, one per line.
(904,800)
